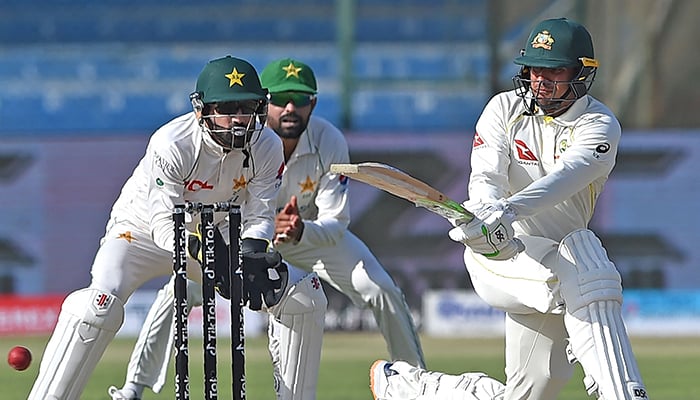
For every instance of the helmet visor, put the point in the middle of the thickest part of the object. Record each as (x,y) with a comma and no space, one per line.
(235,107)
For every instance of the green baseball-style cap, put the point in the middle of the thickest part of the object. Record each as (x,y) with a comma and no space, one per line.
(229,79)
(288,75)
(556,43)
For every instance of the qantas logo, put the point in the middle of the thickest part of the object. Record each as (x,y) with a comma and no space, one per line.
(524,152)
(478,141)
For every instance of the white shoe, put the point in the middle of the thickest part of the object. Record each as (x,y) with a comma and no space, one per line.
(378,383)
(118,394)
(400,380)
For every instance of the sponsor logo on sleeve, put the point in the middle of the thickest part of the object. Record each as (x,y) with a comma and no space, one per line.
(163,164)
(478,141)
(601,149)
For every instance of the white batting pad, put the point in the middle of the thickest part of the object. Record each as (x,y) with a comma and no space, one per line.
(592,290)
(296,335)
(88,321)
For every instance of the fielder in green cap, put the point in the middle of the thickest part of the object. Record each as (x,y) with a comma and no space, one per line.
(540,158)
(289,75)
(314,208)
(220,152)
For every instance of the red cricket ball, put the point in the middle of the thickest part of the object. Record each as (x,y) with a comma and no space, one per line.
(19,358)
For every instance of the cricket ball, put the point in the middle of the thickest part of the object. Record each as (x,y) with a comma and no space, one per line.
(19,358)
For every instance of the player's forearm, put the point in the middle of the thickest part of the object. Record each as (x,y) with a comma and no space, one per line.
(555,187)
(322,232)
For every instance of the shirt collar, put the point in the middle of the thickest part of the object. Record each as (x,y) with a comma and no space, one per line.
(575,111)
(304,144)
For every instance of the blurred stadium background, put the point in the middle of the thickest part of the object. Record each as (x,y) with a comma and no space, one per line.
(85,83)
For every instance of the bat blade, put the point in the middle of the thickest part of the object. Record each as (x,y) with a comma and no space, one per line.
(403,185)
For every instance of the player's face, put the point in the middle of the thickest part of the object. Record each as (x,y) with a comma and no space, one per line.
(233,113)
(548,84)
(288,113)
(228,120)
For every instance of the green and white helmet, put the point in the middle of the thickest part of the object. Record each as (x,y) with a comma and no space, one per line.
(228,89)
(557,43)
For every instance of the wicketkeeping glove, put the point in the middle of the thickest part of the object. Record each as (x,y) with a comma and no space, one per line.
(221,254)
(265,279)
(265,275)
(490,233)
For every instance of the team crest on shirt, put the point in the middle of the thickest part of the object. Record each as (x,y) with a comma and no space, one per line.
(239,183)
(307,185)
(561,147)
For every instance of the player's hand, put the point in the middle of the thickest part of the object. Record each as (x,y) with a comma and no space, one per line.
(265,278)
(288,223)
(221,261)
(194,244)
(490,233)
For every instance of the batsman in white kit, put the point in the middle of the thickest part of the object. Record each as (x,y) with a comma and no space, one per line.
(540,158)
(219,152)
(311,233)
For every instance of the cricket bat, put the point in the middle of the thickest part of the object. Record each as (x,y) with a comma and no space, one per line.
(403,185)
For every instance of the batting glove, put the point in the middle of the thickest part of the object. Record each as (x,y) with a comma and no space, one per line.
(490,233)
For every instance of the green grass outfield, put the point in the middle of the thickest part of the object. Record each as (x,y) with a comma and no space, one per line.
(669,366)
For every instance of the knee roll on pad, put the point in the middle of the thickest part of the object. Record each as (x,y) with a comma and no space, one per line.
(585,272)
(303,297)
(95,309)
(296,336)
(88,321)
